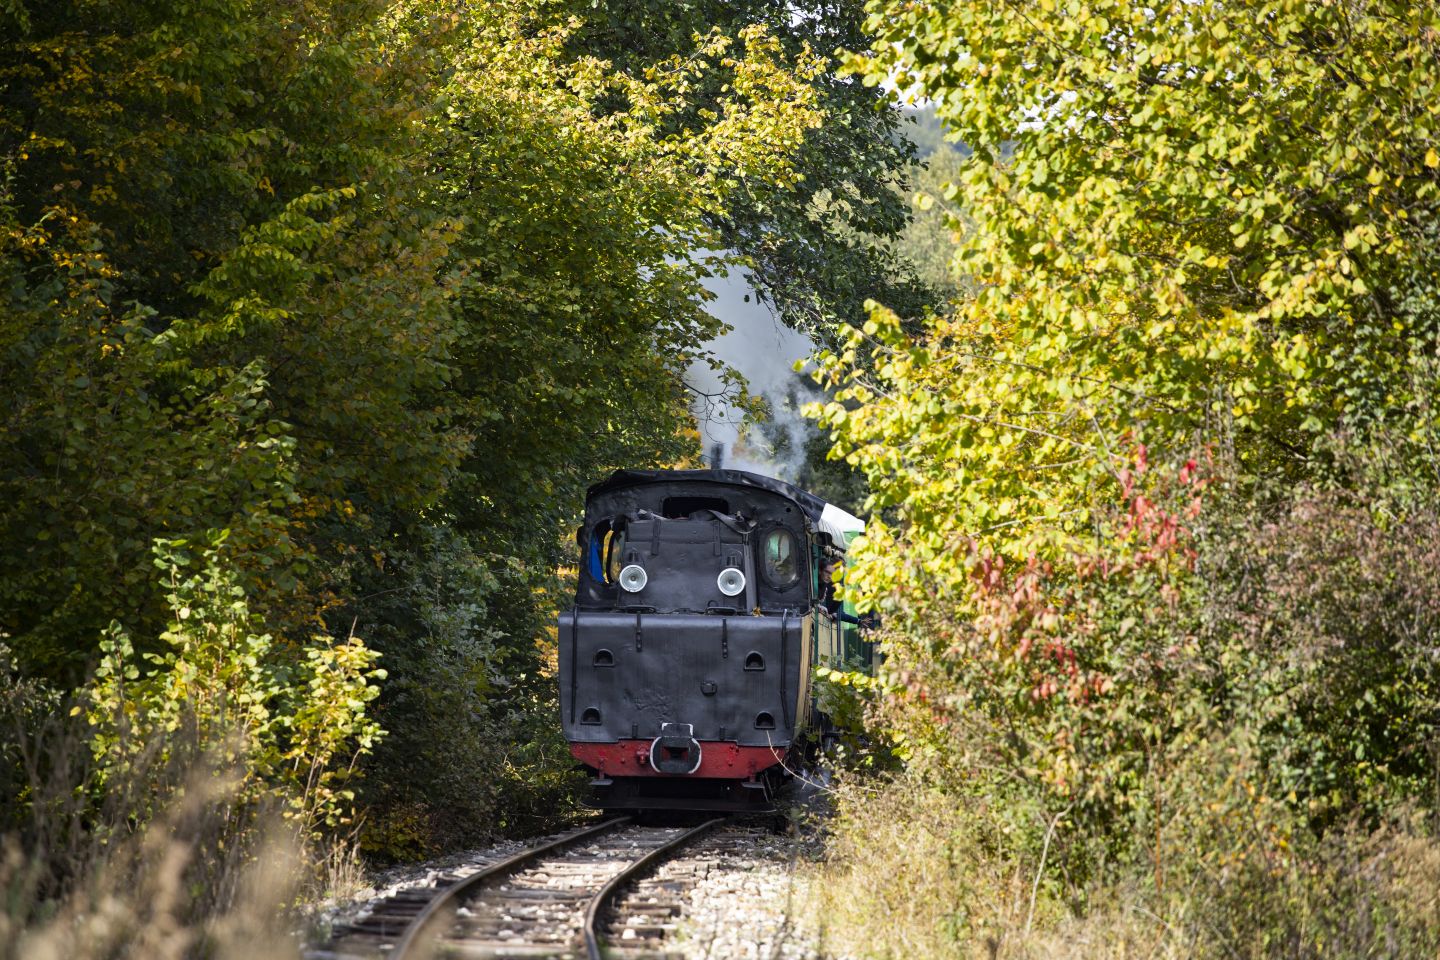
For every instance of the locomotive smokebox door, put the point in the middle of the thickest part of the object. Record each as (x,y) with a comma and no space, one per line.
(676,750)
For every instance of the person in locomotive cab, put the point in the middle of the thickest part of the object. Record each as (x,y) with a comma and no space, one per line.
(827,593)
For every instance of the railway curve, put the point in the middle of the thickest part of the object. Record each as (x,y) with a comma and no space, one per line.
(555,899)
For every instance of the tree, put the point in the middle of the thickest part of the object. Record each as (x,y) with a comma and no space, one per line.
(1191,221)
(819,244)
(376,288)
(577,305)
(1150,626)
(219,302)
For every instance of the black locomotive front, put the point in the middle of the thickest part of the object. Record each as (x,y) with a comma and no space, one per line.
(685,661)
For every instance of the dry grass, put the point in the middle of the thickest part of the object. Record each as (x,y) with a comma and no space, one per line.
(169,862)
(908,875)
(339,873)
(182,887)
(917,873)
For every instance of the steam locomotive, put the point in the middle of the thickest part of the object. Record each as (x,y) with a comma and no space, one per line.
(704,602)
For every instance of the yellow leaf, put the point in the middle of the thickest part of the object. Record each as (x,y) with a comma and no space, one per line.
(1432,159)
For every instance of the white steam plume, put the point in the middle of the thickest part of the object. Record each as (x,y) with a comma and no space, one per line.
(764,352)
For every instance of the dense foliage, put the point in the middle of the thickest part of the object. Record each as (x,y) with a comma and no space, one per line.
(1156,499)
(817,248)
(339,307)
(1187,219)
(576,306)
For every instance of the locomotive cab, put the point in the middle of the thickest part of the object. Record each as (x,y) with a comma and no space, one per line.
(701,608)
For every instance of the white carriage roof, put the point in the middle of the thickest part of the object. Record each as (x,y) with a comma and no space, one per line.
(841,525)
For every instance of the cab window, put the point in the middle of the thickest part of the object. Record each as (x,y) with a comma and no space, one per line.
(613,551)
(781,559)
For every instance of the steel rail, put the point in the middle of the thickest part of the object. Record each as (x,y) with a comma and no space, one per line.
(601,900)
(420,926)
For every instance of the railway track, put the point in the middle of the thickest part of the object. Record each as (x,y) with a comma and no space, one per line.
(728,867)
(556,899)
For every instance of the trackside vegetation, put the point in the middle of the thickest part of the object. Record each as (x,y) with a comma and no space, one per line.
(316,320)
(318,317)
(1154,499)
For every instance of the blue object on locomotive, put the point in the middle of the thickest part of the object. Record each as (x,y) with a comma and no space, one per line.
(596,570)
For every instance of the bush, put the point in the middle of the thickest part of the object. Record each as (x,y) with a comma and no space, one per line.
(173,858)
(934,866)
(474,749)
(146,802)
(1219,714)
(296,723)
(181,803)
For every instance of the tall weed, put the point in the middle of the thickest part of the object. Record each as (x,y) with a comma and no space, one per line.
(182,802)
(917,870)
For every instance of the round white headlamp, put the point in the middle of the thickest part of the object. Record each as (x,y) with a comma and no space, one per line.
(731,582)
(633,578)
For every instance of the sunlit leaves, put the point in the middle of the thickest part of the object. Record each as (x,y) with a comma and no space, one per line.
(1192,222)
(335,277)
